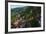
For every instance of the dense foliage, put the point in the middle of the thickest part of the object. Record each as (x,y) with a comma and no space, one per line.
(30,14)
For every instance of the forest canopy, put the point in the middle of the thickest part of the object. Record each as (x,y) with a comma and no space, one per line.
(31,14)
